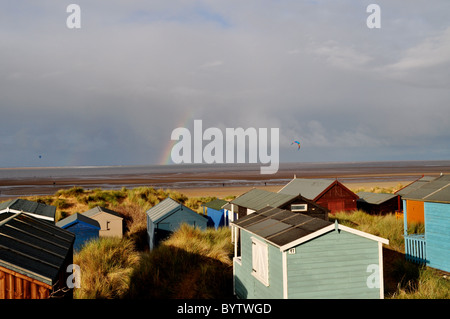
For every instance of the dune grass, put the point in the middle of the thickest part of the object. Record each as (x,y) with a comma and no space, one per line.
(385,226)
(191,264)
(105,265)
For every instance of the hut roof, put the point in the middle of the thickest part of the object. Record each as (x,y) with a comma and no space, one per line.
(374,198)
(32,208)
(310,188)
(257,199)
(216,204)
(33,247)
(165,208)
(98,209)
(280,226)
(437,190)
(286,229)
(74,218)
(415,185)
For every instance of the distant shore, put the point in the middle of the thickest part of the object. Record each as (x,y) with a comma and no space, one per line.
(214,180)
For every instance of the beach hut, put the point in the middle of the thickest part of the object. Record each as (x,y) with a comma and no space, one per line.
(290,255)
(167,216)
(111,223)
(431,247)
(256,199)
(83,227)
(378,203)
(330,194)
(38,210)
(415,208)
(216,213)
(34,258)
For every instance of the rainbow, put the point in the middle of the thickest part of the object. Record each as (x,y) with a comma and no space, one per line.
(166,158)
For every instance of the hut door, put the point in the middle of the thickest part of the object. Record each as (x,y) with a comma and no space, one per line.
(414,211)
(335,206)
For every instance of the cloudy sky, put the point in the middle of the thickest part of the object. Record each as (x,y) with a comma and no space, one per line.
(111,92)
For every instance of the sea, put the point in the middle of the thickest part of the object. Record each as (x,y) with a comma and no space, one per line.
(23,181)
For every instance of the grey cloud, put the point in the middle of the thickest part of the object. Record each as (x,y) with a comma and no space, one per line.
(137,70)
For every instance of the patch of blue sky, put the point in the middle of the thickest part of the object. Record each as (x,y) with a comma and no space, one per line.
(197,14)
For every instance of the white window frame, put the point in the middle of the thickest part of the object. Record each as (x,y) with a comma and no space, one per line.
(260,261)
(299,210)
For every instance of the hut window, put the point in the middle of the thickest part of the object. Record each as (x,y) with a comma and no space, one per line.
(299,207)
(260,261)
(107,225)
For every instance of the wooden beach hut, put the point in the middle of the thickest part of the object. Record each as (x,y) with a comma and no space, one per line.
(34,256)
(31,208)
(83,227)
(378,203)
(167,216)
(330,194)
(431,247)
(216,213)
(290,255)
(256,199)
(111,223)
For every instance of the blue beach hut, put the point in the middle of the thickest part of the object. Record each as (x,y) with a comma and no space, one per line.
(166,217)
(431,247)
(283,254)
(83,227)
(216,214)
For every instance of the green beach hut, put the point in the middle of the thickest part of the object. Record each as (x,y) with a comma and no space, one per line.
(282,254)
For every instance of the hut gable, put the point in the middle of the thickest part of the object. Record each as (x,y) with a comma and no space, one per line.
(34,209)
(287,255)
(34,256)
(83,227)
(330,194)
(111,223)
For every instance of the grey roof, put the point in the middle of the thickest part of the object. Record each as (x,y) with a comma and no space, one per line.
(307,187)
(33,247)
(216,204)
(98,209)
(35,209)
(279,226)
(165,208)
(415,185)
(257,198)
(374,198)
(68,221)
(437,190)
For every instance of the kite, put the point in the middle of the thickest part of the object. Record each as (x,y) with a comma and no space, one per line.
(297,142)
